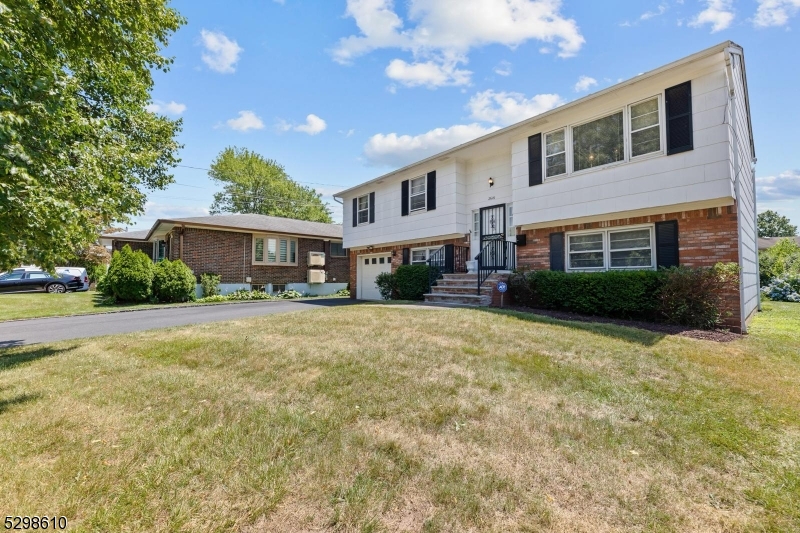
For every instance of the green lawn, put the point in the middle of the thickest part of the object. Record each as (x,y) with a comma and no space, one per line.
(377,418)
(41,304)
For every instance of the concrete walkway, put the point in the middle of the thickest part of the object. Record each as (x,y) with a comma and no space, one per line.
(53,329)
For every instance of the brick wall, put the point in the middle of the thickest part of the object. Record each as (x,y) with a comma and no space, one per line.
(705,237)
(397,258)
(146,247)
(229,255)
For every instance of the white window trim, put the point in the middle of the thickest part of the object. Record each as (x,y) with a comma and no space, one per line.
(359,210)
(428,250)
(626,126)
(607,248)
(277,262)
(424,194)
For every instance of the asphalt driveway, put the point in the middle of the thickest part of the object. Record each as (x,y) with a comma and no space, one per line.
(53,329)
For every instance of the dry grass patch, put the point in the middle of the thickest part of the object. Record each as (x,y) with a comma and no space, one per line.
(373,418)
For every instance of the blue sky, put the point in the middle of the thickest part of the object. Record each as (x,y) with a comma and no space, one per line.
(340,91)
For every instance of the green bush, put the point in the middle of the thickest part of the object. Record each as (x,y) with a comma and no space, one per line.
(209,283)
(412,281)
(342,292)
(387,285)
(244,295)
(173,281)
(783,290)
(694,296)
(288,295)
(617,294)
(779,261)
(130,276)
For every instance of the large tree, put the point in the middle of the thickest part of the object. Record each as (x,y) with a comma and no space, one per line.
(254,184)
(78,149)
(772,224)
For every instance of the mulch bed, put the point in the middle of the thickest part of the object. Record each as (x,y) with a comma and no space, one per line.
(717,335)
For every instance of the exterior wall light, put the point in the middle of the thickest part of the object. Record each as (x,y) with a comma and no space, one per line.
(491,182)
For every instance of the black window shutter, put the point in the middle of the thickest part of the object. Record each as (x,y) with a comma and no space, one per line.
(557,251)
(404,198)
(679,118)
(431,190)
(372,208)
(355,212)
(667,243)
(535,160)
(406,256)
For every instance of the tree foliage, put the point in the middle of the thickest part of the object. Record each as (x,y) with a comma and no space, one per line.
(254,184)
(77,146)
(772,224)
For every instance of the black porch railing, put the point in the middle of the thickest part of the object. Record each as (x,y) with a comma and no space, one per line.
(498,254)
(449,259)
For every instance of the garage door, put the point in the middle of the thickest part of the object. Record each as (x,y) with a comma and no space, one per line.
(369,266)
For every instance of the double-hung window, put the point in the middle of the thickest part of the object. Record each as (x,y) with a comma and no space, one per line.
(420,256)
(555,153)
(645,128)
(273,250)
(363,209)
(618,249)
(417,196)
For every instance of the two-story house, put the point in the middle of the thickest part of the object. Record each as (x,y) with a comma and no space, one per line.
(655,171)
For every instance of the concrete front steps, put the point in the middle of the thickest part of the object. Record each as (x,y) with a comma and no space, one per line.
(462,289)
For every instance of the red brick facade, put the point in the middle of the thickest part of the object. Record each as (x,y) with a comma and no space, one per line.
(397,256)
(705,237)
(229,255)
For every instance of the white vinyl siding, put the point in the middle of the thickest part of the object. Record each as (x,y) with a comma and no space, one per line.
(617,249)
(417,196)
(274,250)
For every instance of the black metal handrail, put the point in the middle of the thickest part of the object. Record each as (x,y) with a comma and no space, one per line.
(498,254)
(448,259)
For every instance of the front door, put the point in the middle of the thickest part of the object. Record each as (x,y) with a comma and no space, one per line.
(493,237)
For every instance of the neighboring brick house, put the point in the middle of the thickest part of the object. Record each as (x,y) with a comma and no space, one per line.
(247,251)
(655,171)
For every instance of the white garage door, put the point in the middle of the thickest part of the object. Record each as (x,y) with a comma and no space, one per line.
(369,266)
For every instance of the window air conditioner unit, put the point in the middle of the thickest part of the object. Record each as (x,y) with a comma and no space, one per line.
(316,259)
(316,276)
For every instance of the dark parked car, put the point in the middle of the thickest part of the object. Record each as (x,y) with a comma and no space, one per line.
(18,280)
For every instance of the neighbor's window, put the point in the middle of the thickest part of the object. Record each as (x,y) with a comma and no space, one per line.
(611,249)
(274,250)
(363,209)
(337,249)
(598,143)
(645,128)
(555,153)
(476,222)
(418,193)
(586,251)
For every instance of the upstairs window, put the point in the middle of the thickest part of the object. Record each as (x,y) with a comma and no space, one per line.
(555,153)
(417,196)
(645,128)
(363,209)
(599,142)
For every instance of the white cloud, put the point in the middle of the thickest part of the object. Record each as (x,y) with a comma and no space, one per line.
(428,73)
(503,68)
(247,120)
(444,31)
(718,13)
(584,84)
(396,150)
(652,14)
(221,54)
(506,108)
(784,186)
(171,108)
(348,133)
(312,126)
(775,12)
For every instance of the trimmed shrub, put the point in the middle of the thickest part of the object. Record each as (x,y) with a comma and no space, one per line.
(288,295)
(130,276)
(209,283)
(617,294)
(779,261)
(173,281)
(342,292)
(783,290)
(694,296)
(412,281)
(244,295)
(387,285)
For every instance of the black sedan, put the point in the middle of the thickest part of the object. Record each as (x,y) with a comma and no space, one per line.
(19,281)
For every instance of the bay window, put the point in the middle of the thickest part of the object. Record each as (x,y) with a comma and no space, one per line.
(274,250)
(617,249)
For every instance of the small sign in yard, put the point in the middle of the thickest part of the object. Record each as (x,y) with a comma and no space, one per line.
(502,288)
